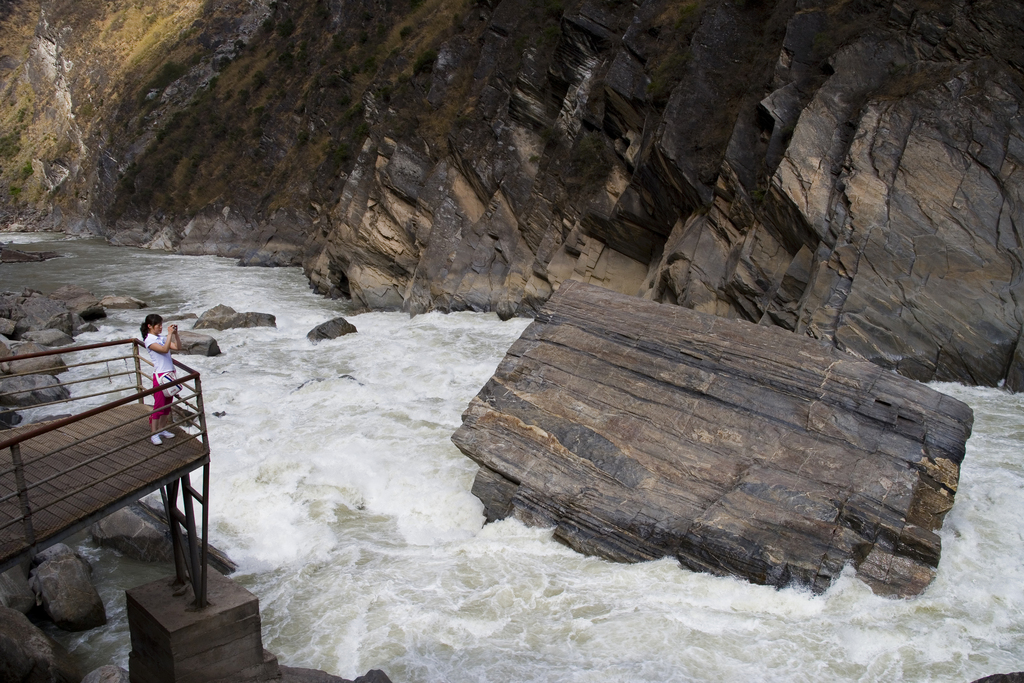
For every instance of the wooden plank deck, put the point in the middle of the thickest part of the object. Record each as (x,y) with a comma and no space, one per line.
(105,462)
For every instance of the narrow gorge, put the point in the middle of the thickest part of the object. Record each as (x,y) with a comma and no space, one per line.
(844,169)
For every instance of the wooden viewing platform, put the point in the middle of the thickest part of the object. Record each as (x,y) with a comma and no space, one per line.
(60,474)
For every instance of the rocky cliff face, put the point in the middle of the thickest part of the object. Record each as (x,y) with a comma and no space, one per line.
(845,169)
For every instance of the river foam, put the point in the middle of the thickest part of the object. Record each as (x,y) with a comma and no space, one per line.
(338,491)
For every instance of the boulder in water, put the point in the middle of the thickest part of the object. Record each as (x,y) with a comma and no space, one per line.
(195,344)
(31,390)
(122,302)
(141,532)
(27,655)
(8,255)
(332,329)
(62,581)
(223,317)
(641,430)
(80,301)
(31,310)
(48,338)
(48,365)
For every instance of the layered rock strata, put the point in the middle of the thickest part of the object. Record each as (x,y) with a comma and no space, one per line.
(639,430)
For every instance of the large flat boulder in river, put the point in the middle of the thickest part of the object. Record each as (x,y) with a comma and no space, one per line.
(641,430)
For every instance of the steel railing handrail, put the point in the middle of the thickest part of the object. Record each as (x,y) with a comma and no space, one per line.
(182,398)
(65,368)
(67,349)
(94,378)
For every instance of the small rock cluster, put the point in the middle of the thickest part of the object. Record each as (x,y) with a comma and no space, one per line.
(31,322)
(59,582)
(59,588)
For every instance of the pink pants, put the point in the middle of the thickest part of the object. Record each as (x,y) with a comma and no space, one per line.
(161,404)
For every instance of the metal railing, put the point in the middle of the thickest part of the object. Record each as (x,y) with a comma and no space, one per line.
(78,448)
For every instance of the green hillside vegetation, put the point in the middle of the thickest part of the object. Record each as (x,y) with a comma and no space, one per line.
(294,87)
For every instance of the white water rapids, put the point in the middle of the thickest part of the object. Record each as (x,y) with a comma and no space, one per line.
(336,488)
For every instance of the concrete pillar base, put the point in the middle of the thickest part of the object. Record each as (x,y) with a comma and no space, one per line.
(175,643)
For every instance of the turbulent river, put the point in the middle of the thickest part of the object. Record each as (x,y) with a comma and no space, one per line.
(337,490)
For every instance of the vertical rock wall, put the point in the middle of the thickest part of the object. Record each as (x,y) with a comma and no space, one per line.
(844,170)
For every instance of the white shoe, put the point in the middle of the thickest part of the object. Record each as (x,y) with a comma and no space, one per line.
(156,439)
(167,435)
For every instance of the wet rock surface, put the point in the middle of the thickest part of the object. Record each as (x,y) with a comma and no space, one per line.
(641,430)
(47,365)
(80,301)
(31,390)
(122,302)
(49,338)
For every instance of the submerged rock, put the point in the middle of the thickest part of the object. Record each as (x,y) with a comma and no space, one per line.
(641,430)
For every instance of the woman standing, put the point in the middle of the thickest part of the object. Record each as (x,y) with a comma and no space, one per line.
(160,352)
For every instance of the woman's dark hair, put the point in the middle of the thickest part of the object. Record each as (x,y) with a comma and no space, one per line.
(151,319)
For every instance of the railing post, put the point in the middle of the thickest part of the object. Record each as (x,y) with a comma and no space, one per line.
(19,478)
(138,370)
(201,411)
(206,529)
